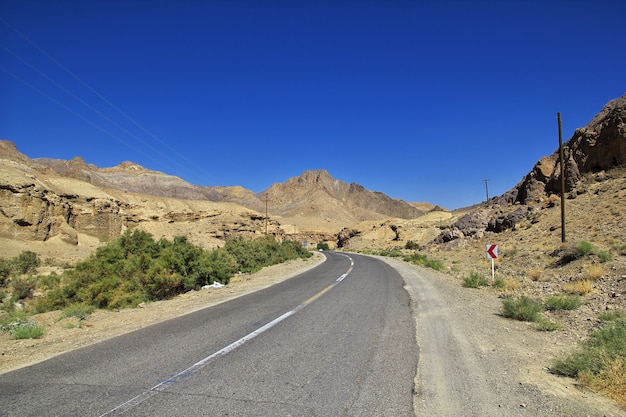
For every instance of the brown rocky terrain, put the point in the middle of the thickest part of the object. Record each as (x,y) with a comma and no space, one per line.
(64,209)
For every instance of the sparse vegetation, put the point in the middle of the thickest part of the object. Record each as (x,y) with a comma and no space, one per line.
(605,256)
(594,272)
(545,325)
(19,327)
(322,246)
(79,311)
(600,361)
(611,315)
(584,248)
(522,308)
(580,287)
(474,280)
(534,274)
(620,248)
(421,259)
(563,302)
(410,245)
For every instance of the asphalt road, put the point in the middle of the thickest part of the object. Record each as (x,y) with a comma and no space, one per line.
(337,340)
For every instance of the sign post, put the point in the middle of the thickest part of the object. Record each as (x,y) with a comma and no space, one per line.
(492,253)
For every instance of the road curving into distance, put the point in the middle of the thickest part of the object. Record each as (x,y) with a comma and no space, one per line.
(338,339)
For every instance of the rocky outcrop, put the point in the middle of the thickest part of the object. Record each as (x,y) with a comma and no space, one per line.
(599,146)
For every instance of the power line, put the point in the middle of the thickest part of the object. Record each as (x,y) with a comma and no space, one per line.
(97,94)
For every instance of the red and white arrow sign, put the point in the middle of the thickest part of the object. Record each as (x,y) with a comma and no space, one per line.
(492,251)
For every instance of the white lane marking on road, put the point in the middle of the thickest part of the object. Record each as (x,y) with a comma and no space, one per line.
(164,384)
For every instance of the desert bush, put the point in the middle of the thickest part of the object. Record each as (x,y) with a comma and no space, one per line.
(605,256)
(48,282)
(423,260)
(611,315)
(20,328)
(393,252)
(5,271)
(505,284)
(620,248)
(580,287)
(545,325)
(322,246)
(522,308)
(594,272)
(134,268)
(410,245)
(23,287)
(563,302)
(474,280)
(534,274)
(584,248)
(79,311)
(26,262)
(599,361)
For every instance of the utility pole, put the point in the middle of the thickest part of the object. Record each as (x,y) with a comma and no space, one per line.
(562,157)
(487,189)
(266,214)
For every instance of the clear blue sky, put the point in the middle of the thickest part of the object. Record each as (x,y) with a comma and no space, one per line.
(420,100)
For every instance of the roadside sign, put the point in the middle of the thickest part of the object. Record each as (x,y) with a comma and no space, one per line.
(492,253)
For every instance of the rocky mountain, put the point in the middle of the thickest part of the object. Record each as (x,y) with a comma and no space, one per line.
(71,202)
(314,193)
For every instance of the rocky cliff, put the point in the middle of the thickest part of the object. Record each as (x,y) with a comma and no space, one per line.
(598,147)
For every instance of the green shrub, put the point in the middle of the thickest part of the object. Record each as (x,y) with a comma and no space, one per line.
(545,325)
(605,256)
(603,347)
(522,308)
(410,245)
(499,283)
(420,259)
(564,302)
(80,311)
(134,268)
(611,315)
(5,271)
(433,264)
(393,252)
(620,248)
(415,258)
(49,282)
(23,287)
(474,280)
(322,246)
(26,262)
(584,248)
(23,329)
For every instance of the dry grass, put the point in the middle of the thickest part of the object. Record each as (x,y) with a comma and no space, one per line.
(510,284)
(611,382)
(594,272)
(534,273)
(580,287)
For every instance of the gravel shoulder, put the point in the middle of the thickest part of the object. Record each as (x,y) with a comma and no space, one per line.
(474,362)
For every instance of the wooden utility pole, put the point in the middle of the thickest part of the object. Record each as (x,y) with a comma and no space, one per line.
(487,189)
(266,214)
(562,157)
